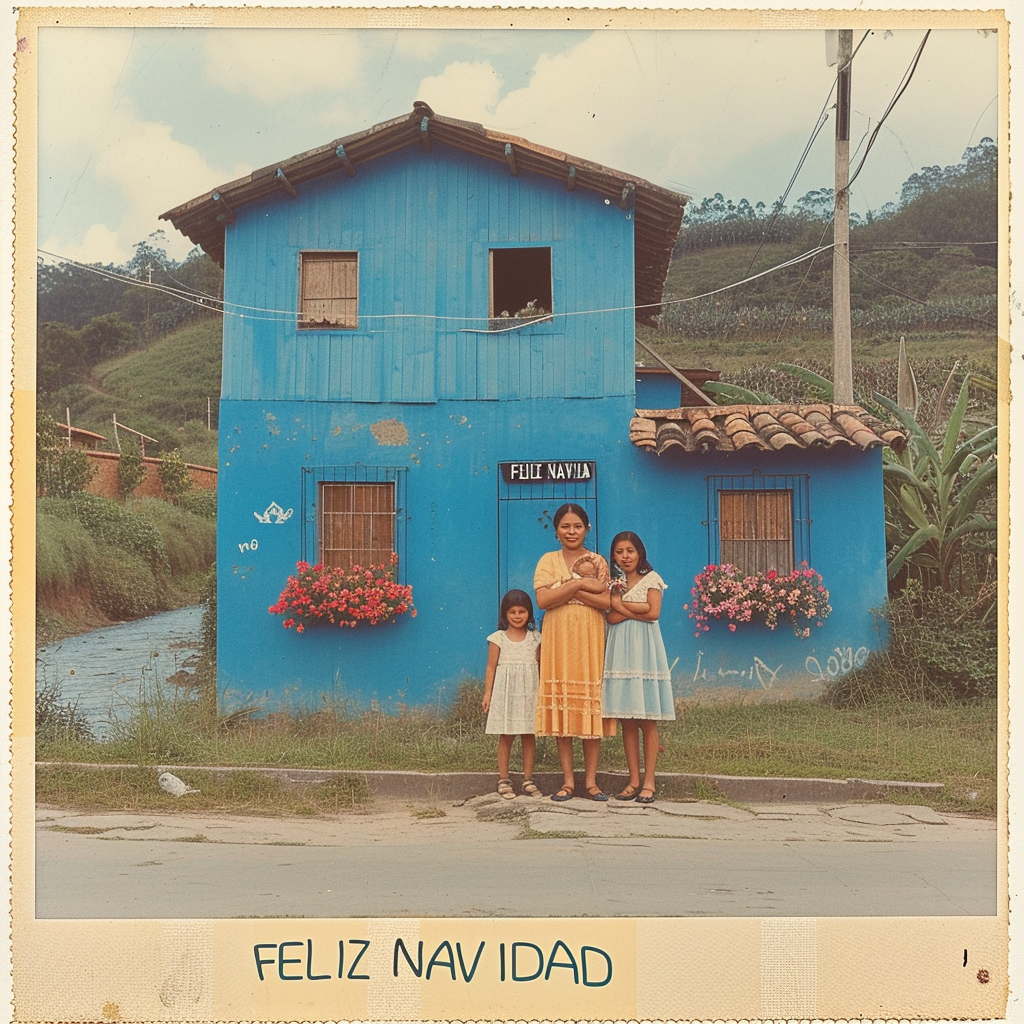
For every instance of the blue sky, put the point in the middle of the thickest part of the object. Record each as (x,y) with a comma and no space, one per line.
(135,121)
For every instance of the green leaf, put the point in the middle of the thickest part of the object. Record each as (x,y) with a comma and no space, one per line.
(916,542)
(735,393)
(953,427)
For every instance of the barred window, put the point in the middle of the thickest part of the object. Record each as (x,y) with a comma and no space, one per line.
(328,290)
(356,523)
(759,521)
(756,530)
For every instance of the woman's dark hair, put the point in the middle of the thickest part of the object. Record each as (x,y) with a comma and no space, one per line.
(514,599)
(563,510)
(642,566)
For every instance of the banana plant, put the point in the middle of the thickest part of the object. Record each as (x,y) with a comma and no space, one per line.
(933,494)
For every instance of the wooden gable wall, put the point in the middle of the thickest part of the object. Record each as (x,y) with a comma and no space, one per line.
(423,224)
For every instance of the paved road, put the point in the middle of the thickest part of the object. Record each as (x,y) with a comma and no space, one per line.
(487,858)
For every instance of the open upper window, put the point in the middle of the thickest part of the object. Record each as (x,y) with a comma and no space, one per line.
(520,282)
(758,522)
(328,290)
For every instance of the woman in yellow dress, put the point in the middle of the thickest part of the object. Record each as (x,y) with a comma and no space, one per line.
(574,601)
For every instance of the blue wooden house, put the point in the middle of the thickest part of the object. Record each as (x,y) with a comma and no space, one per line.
(382,398)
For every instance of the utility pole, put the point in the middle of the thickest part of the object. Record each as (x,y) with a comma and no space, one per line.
(842,354)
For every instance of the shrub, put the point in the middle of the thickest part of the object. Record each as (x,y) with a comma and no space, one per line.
(174,476)
(189,541)
(107,521)
(200,503)
(123,586)
(130,470)
(943,647)
(61,470)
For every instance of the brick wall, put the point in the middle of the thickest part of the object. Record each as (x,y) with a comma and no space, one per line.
(105,481)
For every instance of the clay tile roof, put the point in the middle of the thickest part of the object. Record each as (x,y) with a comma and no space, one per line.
(730,428)
(657,211)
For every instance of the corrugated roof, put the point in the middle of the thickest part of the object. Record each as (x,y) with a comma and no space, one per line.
(769,428)
(657,212)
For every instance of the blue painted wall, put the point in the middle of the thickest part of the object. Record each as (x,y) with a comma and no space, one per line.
(455,405)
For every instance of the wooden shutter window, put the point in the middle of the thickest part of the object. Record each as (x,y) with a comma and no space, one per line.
(756,530)
(357,524)
(329,290)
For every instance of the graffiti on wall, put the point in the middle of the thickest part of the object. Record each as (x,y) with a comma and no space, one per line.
(838,663)
(274,511)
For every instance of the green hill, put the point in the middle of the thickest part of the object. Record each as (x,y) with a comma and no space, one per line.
(161,390)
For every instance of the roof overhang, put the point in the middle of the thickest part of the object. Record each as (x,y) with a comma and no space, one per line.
(766,428)
(657,212)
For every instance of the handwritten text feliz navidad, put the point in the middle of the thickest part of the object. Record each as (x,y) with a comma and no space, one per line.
(302,960)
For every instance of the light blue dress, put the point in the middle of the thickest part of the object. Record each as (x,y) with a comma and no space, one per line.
(637,680)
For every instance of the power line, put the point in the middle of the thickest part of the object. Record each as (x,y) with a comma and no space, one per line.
(902,88)
(204,301)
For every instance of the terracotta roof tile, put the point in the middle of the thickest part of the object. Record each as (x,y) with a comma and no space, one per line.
(727,428)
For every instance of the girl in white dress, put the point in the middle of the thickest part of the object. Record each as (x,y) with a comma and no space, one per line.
(637,680)
(510,688)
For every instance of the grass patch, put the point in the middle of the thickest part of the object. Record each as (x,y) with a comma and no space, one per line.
(953,743)
(134,788)
(429,812)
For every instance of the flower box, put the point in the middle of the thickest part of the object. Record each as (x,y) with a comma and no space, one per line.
(320,594)
(723,592)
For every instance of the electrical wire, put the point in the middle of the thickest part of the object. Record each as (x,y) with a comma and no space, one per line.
(895,291)
(901,89)
(204,301)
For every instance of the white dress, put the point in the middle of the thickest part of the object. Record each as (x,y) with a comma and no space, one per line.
(514,694)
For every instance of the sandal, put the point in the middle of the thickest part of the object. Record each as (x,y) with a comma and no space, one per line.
(529,788)
(565,793)
(505,789)
(641,799)
(629,793)
(595,793)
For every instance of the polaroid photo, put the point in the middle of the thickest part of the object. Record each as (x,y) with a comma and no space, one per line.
(510,514)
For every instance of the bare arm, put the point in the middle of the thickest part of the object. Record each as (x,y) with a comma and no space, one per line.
(552,597)
(492,663)
(641,611)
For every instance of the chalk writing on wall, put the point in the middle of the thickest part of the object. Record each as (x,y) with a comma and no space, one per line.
(845,659)
(758,671)
(274,510)
(250,545)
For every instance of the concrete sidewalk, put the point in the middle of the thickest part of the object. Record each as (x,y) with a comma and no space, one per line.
(486,856)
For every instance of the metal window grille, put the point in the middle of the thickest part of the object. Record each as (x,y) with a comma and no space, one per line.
(758,522)
(354,515)
(328,289)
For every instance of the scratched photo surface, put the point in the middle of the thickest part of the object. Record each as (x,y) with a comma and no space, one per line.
(320,319)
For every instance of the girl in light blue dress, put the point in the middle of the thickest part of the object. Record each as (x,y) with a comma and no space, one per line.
(637,686)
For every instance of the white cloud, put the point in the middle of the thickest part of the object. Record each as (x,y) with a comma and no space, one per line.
(464,90)
(98,245)
(716,109)
(276,65)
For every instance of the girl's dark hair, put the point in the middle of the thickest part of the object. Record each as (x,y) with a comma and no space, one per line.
(563,510)
(513,599)
(643,566)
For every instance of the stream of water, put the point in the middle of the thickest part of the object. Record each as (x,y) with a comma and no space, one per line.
(107,670)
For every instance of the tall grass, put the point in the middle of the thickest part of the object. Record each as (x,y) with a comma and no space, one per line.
(953,744)
(189,540)
(64,552)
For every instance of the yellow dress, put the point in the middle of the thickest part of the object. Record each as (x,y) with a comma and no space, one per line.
(571,660)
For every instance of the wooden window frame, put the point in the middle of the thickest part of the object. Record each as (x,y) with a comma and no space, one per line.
(493,310)
(766,519)
(355,523)
(340,299)
(317,482)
